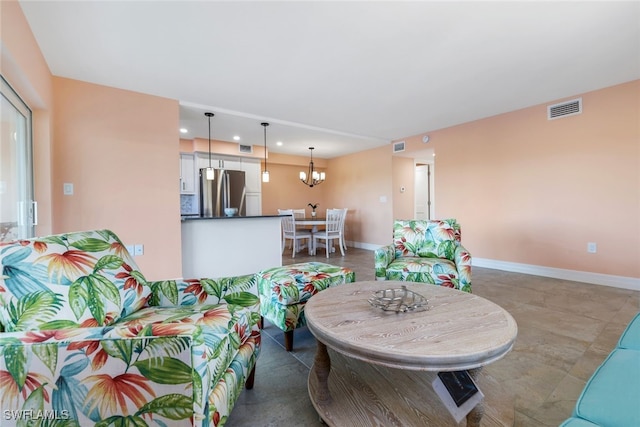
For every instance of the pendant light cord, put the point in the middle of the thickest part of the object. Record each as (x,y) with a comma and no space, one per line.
(265,145)
(209,115)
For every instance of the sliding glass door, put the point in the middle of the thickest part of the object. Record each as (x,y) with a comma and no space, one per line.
(18,214)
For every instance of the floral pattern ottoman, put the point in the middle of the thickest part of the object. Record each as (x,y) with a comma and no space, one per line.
(285,290)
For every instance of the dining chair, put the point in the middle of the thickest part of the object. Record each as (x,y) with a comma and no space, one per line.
(332,230)
(342,234)
(290,232)
(300,214)
(283,212)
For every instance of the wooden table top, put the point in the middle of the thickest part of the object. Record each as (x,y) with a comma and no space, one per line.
(311,220)
(459,330)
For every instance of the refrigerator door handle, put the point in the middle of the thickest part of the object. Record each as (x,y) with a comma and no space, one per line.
(219,194)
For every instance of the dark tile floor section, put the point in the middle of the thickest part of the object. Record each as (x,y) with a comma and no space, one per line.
(565,330)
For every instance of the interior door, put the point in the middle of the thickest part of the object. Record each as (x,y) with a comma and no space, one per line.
(18,214)
(423,191)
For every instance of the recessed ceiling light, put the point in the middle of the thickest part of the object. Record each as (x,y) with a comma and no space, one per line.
(279,143)
(236,138)
(183,130)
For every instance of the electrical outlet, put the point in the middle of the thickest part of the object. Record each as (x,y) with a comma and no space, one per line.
(138,250)
(130,249)
(592,248)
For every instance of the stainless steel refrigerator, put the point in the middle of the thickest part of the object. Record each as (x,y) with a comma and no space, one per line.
(226,190)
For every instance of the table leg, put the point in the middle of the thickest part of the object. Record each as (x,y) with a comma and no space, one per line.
(321,369)
(476,414)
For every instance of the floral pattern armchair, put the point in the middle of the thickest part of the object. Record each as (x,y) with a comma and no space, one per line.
(85,340)
(428,251)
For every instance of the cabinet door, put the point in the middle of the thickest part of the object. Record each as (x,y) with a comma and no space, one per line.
(254,204)
(252,175)
(218,162)
(229,163)
(187,173)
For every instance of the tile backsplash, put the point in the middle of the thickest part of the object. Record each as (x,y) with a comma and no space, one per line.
(188,204)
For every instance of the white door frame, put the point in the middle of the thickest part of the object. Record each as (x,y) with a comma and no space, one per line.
(431,189)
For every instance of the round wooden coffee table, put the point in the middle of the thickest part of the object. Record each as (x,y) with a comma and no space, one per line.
(403,352)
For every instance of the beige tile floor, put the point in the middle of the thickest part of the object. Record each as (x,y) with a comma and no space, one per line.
(565,330)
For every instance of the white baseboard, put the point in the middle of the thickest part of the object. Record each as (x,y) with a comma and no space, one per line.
(360,245)
(622,282)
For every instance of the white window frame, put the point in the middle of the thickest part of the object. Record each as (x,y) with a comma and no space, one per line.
(26,209)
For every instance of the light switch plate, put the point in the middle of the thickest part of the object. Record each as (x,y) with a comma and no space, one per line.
(67,189)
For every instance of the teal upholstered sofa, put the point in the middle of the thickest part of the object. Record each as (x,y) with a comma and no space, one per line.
(611,397)
(428,251)
(86,340)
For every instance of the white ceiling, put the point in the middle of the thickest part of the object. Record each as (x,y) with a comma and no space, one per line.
(341,76)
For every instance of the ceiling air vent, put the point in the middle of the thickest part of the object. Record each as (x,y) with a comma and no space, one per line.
(246,148)
(564,109)
(398,146)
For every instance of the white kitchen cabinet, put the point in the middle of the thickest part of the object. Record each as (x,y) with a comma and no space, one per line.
(229,163)
(187,173)
(252,175)
(218,162)
(254,204)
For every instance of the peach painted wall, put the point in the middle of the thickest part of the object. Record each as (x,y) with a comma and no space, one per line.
(285,191)
(533,191)
(219,147)
(356,182)
(120,149)
(359,181)
(24,67)
(403,176)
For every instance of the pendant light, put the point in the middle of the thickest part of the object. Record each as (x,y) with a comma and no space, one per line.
(314,177)
(210,173)
(265,173)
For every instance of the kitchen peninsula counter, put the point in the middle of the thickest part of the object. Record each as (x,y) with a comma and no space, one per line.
(199,218)
(229,246)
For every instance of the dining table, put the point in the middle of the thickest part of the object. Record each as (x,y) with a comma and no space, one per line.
(314,222)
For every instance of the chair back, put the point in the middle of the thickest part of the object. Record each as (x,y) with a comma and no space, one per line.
(288,221)
(335,220)
(344,218)
(299,213)
(426,238)
(70,278)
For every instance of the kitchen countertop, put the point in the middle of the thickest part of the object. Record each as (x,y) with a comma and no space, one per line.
(198,217)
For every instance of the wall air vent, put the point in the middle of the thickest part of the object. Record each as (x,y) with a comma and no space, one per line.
(246,148)
(564,109)
(398,146)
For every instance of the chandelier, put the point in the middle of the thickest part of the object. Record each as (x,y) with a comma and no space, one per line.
(313,177)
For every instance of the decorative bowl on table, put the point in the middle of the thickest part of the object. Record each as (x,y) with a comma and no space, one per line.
(399,300)
(230,211)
